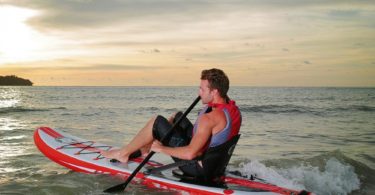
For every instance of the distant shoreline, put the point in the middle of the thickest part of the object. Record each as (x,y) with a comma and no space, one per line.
(13,80)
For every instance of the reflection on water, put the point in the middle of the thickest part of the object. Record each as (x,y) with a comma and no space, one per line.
(9,143)
(13,137)
(15,146)
(10,149)
(9,97)
(12,146)
(9,124)
(8,103)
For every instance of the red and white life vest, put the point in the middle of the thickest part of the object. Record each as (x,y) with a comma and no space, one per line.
(232,128)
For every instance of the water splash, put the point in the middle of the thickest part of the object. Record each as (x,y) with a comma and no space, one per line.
(334,178)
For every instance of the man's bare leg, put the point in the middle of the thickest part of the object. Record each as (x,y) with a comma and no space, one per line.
(145,150)
(142,140)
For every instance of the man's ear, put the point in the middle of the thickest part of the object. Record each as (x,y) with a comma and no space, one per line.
(216,92)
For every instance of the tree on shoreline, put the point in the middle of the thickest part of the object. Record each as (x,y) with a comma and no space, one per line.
(13,80)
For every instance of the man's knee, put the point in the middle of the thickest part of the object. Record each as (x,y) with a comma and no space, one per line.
(160,126)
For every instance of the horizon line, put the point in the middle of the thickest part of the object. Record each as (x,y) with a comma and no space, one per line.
(188,86)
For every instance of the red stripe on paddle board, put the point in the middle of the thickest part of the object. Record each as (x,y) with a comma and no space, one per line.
(50,132)
(259,185)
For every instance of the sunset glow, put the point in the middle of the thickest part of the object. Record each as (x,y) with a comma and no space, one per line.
(297,43)
(18,40)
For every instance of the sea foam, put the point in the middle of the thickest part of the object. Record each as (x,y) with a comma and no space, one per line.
(334,178)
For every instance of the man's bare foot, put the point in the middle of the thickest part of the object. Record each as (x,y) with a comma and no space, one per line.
(115,154)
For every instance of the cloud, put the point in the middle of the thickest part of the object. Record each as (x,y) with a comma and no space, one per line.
(134,36)
(114,67)
(94,67)
(57,14)
(344,14)
(83,14)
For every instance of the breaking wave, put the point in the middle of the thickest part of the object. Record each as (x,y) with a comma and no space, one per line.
(329,174)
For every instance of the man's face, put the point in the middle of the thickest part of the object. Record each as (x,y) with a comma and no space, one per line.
(205,92)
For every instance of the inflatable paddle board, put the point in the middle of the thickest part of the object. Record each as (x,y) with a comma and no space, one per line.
(83,155)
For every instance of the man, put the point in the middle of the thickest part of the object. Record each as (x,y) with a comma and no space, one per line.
(217,123)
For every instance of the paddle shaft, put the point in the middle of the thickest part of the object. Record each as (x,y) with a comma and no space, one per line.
(122,186)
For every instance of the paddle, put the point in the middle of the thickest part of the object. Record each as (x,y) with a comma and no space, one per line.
(122,186)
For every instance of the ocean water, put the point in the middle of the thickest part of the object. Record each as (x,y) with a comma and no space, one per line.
(318,139)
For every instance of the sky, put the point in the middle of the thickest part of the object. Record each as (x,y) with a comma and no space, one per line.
(297,43)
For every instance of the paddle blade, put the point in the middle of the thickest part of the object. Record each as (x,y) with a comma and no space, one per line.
(118,188)
(121,187)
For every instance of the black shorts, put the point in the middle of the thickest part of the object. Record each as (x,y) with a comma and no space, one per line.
(181,136)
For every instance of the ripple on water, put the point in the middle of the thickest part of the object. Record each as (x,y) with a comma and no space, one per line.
(9,124)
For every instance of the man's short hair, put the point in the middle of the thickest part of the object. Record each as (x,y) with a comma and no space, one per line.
(217,80)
